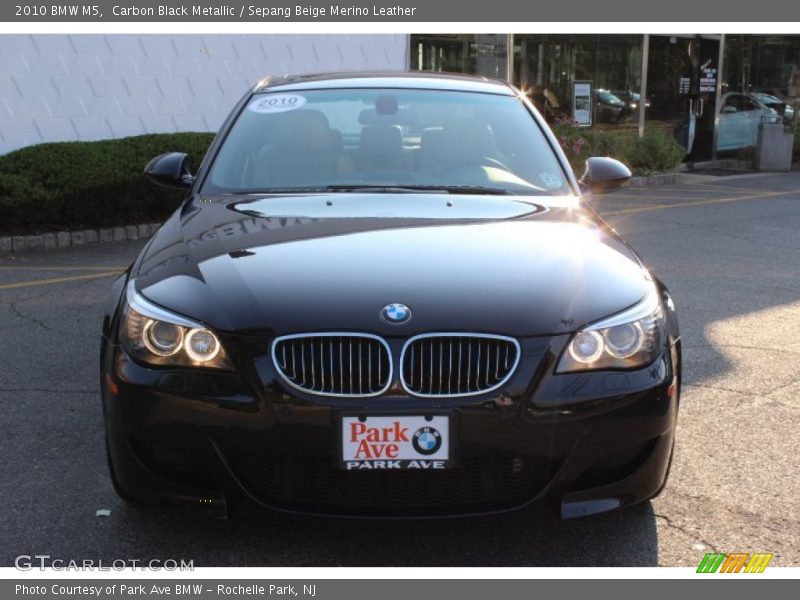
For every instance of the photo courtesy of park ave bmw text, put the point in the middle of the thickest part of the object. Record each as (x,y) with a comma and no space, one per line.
(295,286)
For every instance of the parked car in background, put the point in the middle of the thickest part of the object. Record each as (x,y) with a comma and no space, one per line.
(631,98)
(740,115)
(609,108)
(782,107)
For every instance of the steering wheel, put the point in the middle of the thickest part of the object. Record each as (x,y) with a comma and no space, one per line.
(488,161)
(379,177)
(474,172)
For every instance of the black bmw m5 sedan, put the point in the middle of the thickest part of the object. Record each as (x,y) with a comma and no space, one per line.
(385,295)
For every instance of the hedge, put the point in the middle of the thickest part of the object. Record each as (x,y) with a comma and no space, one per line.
(88,185)
(655,152)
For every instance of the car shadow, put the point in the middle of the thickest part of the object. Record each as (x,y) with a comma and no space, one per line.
(724,264)
(721,262)
(530,537)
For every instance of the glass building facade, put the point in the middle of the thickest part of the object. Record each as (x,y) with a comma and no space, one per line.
(709,91)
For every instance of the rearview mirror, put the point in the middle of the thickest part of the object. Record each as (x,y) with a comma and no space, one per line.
(172,170)
(604,174)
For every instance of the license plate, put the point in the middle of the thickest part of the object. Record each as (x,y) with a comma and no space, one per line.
(395,442)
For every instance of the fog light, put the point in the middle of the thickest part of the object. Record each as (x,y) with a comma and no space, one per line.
(583,508)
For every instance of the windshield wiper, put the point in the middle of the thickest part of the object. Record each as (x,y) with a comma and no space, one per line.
(389,189)
(458,189)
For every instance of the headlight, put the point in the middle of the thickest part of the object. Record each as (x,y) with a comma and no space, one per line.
(159,337)
(629,340)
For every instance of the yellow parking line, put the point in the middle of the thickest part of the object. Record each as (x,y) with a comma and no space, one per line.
(676,194)
(720,186)
(61,268)
(716,186)
(629,205)
(762,196)
(35,282)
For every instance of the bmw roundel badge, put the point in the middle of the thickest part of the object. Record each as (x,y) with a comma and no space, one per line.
(426,440)
(396,314)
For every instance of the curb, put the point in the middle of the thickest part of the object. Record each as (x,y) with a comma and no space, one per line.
(66,239)
(663,179)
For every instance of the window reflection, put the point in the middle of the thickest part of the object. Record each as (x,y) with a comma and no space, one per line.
(548,65)
(759,79)
(767,69)
(482,54)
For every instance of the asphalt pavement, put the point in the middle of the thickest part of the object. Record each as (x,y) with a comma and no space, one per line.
(727,247)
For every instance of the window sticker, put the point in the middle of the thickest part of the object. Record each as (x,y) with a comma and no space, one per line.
(277,103)
(550,180)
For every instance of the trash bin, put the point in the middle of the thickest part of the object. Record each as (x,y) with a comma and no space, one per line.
(774,145)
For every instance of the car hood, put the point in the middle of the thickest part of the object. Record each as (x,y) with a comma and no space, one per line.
(504,265)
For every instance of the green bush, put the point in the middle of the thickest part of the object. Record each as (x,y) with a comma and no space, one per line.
(85,185)
(574,141)
(655,152)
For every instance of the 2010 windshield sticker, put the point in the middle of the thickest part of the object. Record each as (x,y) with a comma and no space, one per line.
(277,103)
(550,180)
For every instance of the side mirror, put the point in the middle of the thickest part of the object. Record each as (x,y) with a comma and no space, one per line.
(729,110)
(170,170)
(604,174)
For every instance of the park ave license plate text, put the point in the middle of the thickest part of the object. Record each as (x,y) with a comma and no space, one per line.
(395,442)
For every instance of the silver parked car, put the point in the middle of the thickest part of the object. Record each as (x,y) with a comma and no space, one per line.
(740,115)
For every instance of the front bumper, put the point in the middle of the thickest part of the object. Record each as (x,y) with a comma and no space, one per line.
(590,442)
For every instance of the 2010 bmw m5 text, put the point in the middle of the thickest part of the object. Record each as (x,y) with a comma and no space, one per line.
(385,295)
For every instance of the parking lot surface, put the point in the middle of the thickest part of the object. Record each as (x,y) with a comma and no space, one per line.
(727,247)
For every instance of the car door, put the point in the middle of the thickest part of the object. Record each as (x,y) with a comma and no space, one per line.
(752,112)
(733,124)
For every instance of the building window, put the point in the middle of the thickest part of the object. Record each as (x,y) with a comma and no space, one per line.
(483,54)
(546,66)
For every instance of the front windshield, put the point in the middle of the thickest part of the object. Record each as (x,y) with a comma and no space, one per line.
(386,138)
